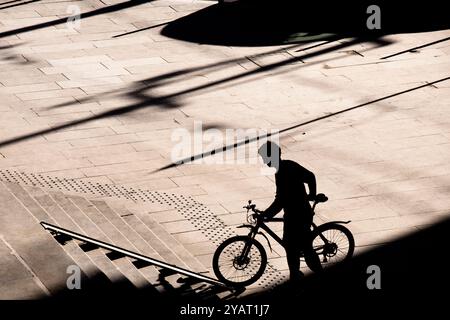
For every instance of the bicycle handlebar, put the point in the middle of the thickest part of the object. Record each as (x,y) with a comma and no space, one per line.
(318,199)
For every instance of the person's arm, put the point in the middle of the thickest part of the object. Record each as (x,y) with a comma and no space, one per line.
(273,209)
(310,180)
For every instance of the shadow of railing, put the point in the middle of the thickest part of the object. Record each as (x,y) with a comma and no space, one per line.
(141,91)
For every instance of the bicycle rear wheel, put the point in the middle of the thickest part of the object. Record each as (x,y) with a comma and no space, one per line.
(333,243)
(235,268)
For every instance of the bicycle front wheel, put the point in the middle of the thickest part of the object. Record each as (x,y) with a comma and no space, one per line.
(333,243)
(239,261)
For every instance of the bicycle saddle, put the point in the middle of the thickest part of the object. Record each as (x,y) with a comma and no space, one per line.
(321,198)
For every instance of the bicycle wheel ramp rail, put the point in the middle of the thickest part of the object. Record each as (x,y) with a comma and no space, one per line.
(121,252)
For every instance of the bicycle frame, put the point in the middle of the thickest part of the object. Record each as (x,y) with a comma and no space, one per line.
(245,251)
(254,230)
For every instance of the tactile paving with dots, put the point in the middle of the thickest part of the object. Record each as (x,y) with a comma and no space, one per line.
(196,213)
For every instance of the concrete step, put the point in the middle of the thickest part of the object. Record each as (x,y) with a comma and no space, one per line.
(160,247)
(97,219)
(133,237)
(130,234)
(35,246)
(16,281)
(111,270)
(180,250)
(115,216)
(105,232)
(165,254)
(74,251)
(139,243)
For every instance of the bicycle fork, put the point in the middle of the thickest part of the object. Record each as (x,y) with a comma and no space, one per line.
(248,244)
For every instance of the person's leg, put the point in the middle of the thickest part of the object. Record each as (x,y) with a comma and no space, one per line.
(291,245)
(293,260)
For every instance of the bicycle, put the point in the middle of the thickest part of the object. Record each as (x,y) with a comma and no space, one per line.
(241,260)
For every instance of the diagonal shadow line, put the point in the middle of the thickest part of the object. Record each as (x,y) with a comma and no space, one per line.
(415,48)
(264,136)
(259,70)
(381,43)
(110,113)
(164,78)
(11,1)
(263,69)
(139,30)
(165,100)
(317,45)
(112,8)
(17,4)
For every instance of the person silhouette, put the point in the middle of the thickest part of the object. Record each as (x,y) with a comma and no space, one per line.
(291,197)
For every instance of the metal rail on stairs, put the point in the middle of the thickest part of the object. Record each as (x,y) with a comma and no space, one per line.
(128,253)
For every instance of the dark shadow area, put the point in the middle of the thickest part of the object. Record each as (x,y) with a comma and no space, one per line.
(100,297)
(414,278)
(263,22)
(100,287)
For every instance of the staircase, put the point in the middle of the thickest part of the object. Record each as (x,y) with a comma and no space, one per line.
(36,265)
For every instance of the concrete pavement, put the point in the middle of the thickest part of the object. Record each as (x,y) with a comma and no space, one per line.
(96,106)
